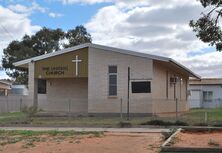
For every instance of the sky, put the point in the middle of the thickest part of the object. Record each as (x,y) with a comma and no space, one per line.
(159,27)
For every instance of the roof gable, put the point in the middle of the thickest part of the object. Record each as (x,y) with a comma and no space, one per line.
(90,45)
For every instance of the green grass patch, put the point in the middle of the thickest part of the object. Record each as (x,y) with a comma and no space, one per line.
(29,138)
(14,117)
(192,117)
(197,116)
(29,133)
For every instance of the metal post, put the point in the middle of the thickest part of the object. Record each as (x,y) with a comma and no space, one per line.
(121,108)
(69,103)
(7,104)
(205,117)
(128,93)
(176,109)
(20,106)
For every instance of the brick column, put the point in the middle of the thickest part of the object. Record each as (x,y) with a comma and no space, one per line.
(33,85)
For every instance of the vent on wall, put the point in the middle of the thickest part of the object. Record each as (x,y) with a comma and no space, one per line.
(173,80)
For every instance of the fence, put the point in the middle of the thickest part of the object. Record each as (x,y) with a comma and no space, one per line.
(199,103)
(168,110)
(13,103)
(142,106)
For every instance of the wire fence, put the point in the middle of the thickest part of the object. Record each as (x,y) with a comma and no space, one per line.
(13,103)
(200,103)
(143,105)
(169,110)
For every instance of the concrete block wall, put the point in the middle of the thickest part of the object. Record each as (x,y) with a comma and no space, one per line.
(161,106)
(14,103)
(32,84)
(98,99)
(161,102)
(63,95)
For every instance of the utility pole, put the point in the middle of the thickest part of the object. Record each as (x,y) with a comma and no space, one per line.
(128,93)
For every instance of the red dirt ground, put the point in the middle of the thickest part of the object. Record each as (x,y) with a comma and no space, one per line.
(108,143)
(197,139)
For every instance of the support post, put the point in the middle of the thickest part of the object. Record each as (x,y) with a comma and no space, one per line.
(33,85)
(121,108)
(20,104)
(69,103)
(128,93)
(176,109)
(7,104)
(205,117)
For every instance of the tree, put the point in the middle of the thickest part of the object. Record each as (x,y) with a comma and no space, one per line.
(208,26)
(44,41)
(77,36)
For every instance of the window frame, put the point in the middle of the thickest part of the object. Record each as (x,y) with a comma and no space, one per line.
(39,91)
(112,85)
(208,98)
(142,92)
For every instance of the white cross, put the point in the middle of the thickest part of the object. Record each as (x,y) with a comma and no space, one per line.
(77,61)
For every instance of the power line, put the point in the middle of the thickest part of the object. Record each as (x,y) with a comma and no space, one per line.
(7,31)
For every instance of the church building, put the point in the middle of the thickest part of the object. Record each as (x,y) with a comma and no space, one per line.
(91,79)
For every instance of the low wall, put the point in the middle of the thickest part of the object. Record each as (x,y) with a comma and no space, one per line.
(13,103)
(167,106)
(78,105)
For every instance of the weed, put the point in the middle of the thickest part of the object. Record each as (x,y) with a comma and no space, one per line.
(123,124)
(164,123)
(213,143)
(29,111)
(78,141)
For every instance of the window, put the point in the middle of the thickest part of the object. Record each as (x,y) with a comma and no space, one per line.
(141,87)
(2,92)
(207,96)
(41,86)
(112,80)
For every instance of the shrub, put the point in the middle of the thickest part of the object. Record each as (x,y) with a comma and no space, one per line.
(124,124)
(181,123)
(201,124)
(164,123)
(213,143)
(29,111)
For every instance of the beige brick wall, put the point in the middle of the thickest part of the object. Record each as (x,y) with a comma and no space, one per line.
(169,106)
(162,104)
(99,102)
(32,85)
(66,94)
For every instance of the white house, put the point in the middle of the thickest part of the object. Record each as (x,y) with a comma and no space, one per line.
(205,93)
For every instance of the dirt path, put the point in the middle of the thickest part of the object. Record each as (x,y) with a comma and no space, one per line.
(198,139)
(108,143)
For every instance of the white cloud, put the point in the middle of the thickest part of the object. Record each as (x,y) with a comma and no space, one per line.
(13,26)
(35,7)
(156,27)
(84,1)
(55,15)
(18,8)
(207,65)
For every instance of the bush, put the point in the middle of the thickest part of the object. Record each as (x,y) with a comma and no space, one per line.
(124,124)
(29,111)
(155,122)
(201,124)
(213,143)
(181,123)
(164,123)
